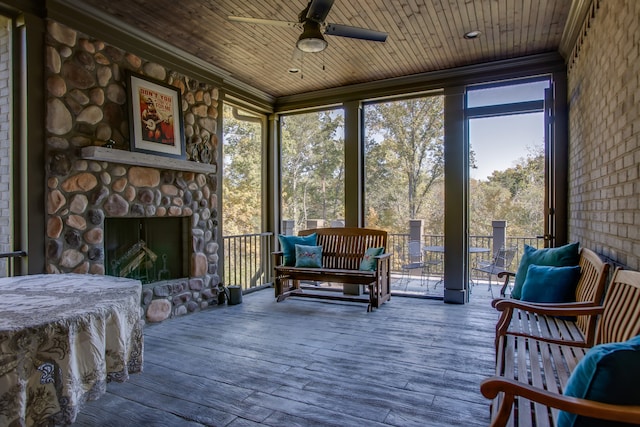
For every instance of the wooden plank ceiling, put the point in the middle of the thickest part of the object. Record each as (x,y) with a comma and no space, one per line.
(423,36)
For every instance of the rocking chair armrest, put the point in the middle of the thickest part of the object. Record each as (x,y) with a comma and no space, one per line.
(277,257)
(496,300)
(588,408)
(383,260)
(507,275)
(508,306)
(575,304)
(550,305)
(565,309)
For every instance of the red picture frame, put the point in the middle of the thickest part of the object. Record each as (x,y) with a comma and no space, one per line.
(156,124)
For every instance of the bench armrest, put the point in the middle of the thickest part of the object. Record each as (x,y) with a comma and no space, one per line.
(495,301)
(383,256)
(561,309)
(575,304)
(506,275)
(588,408)
(508,306)
(277,258)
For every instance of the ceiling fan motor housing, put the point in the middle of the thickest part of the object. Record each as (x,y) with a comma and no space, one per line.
(311,39)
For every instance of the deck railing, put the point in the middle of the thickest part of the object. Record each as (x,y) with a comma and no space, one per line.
(248,256)
(247,260)
(398,244)
(8,261)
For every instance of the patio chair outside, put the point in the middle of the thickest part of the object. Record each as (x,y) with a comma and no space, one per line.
(414,260)
(500,262)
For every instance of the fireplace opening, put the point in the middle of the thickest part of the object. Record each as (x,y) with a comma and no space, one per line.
(148,249)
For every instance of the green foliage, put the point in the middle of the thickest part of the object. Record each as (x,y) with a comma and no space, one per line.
(404,160)
(312,167)
(404,173)
(529,171)
(242,175)
(515,195)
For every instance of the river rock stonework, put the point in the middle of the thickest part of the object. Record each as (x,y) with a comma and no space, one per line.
(87,105)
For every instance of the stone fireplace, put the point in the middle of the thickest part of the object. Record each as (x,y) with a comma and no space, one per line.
(90,187)
(148,249)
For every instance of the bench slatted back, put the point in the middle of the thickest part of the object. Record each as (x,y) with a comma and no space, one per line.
(593,277)
(343,248)
(620,320)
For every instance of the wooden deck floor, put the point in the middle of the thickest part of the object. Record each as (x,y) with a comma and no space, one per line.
(301,362)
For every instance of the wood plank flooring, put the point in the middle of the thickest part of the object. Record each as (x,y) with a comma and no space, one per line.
(301,362)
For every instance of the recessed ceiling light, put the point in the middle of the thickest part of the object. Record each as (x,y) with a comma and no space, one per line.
(472,34)
(294,70)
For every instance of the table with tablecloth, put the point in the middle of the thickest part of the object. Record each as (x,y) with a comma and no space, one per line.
(62,338)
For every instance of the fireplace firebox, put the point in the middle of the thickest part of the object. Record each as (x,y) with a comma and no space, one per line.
(147,249)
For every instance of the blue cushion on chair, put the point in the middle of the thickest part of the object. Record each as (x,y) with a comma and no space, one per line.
(550,284)
(562,256)
(308,256)
(608,373)
(368,261)
(289,243)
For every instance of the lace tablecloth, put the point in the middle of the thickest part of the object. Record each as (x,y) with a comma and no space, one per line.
(62,338)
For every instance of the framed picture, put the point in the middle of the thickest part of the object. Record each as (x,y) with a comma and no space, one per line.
(155,117)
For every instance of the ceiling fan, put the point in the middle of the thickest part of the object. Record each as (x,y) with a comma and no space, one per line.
(312,21)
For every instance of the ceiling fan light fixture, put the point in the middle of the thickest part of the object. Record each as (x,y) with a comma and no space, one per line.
(311,39)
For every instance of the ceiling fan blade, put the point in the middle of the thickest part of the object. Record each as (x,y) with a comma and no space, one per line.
(318,10)
(355,32)
(263,21)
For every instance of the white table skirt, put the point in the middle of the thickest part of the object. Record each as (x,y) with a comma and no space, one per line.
(62,338)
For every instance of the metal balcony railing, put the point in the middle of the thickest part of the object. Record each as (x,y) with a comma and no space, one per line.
(7,267)
(247,260)
(398,244)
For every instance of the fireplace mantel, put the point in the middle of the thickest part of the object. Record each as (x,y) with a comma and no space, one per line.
(141,159)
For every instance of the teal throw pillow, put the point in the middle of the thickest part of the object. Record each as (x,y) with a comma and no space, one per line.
(288,244)
(368,260)
(562,256)
(550,284)
(308,256)
(608,373)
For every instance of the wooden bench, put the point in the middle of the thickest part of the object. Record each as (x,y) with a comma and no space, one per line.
(517,317)
(532,372)
(342,251)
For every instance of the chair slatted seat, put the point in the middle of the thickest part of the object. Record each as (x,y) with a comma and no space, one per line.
(532,372)
(519,317)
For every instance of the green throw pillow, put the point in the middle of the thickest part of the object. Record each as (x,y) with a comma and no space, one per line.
(368,260)
(562,256)
(289,243)
(308,256)
(550,284)
(608,373)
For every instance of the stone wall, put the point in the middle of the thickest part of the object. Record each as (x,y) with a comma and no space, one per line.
(87,105)
(604,132)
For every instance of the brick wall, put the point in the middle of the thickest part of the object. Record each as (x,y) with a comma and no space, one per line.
(5,140)
(604,133)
